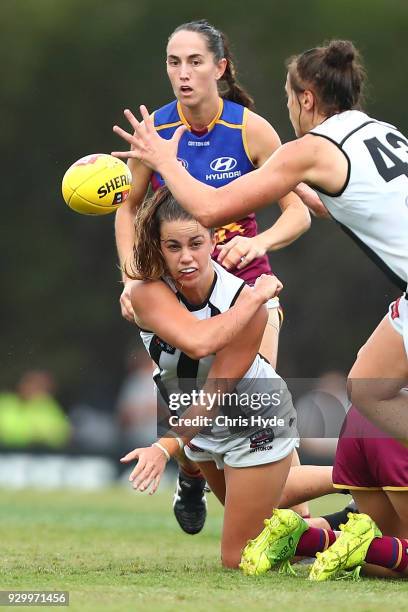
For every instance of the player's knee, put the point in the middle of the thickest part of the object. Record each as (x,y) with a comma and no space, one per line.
(230,557)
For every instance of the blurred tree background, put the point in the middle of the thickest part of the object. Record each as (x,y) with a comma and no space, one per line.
(69,67)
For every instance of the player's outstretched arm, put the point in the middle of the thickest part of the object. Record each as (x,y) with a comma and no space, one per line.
(210,206)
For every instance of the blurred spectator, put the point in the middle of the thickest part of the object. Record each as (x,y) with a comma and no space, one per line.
(94,429)
(32,416)
(136,404)
(320,416)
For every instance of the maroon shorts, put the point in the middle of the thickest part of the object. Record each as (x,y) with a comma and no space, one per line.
(258,266)
(366,459)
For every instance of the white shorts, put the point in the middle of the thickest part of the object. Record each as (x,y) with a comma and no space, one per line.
(398,317)
(244,452)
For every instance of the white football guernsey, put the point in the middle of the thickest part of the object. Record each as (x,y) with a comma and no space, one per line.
(177,373)
(372,207)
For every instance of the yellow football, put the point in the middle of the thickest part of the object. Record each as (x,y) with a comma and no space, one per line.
(96,184)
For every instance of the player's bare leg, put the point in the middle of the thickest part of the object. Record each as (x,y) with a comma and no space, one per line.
(394,512)
(377,378)
(399,501)
(301,485)
(306,482)
(377,505)
(251,495)
(188,466)
(269,350)
(215,479)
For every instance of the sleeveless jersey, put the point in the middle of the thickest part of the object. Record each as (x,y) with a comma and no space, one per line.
(216,157)
(372,207)
(177,373)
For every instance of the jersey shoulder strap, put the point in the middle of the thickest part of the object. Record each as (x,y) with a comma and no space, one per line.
(341,126)
(232,114)
(167,116)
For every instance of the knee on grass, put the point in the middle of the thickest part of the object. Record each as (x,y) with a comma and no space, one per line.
(231,557)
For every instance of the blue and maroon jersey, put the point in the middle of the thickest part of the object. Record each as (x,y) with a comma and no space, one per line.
(215,156)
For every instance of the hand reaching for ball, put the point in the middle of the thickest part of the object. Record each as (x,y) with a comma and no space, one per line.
(145,143)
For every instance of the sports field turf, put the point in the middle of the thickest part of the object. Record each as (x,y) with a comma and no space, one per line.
(119,550)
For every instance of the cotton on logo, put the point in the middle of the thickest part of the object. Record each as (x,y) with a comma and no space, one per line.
(223,164)
(183,162)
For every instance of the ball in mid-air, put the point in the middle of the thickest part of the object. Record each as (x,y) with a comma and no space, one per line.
(96,184)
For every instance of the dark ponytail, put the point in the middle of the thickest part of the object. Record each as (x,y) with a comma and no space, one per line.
(217,43)
(229,87)
(333,72)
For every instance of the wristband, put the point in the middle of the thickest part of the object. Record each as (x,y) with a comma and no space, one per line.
(180,442)
(162,448)
(178,439)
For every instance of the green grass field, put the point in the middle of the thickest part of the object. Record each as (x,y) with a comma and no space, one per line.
(119,550)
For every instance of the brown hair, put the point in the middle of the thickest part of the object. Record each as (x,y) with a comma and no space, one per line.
(333,72)
(148,262)
(217,42)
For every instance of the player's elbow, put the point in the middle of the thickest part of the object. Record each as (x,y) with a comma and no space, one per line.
(203,344)
(192,353)
(198,351)
(209,210)
(306,221)
(193,348)
(196,342)
(206,219)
